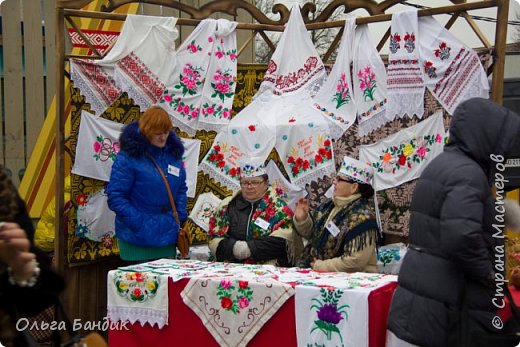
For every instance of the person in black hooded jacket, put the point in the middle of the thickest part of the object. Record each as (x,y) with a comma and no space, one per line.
(455,247)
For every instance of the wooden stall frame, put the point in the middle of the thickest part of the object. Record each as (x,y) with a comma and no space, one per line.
(66,10)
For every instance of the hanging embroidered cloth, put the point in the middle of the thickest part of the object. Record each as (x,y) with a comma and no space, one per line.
(405,83)
(98,145)
(203,209)
(282,116)
(199,94)
(402,157)
(96,221)
(452,71)
(191,163)
(369,75)
(234,310)
(335,99)
(138,297)
(138,63)
(283,187)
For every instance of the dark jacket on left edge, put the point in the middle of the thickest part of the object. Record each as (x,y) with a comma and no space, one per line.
(137,194)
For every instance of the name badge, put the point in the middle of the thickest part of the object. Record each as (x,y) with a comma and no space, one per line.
(332,228)
(262,223)
(173,170)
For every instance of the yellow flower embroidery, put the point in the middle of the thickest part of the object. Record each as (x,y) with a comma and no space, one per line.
(408,150)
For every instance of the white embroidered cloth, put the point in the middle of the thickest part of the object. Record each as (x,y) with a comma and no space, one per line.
(278,181)
(191,163)
(405,83)
(199,94)
(369,75)
(452,71)
(282,116)
(203,209)
(138,297)
(402,157)
(139,63)
(335,99)
(97,148)
(336,315)
(95,220)
(234,310)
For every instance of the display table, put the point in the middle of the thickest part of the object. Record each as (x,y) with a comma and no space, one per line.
(185,328)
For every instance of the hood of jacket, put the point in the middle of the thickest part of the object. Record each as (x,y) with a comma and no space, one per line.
(137,145)
(480,128)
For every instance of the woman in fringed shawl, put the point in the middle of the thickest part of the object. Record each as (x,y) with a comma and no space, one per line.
(343,232)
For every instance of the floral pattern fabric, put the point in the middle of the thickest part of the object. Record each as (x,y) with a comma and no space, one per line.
(98,145)
(403,156)
(203,210)
(95,220)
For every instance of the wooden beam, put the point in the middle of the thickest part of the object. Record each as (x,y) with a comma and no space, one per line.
(477,30)
(83,37)
(497,84)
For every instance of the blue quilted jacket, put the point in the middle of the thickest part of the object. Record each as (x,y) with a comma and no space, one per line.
(137,194)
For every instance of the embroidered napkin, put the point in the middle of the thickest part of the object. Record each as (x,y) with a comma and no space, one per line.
(190,160)
(452,71)
(234,310)
(137,297)
(95,220)
(98,145)
(405,83)
(369,75)
(203,209)
(335,99)
(283,187)
(402,157)
(203,79)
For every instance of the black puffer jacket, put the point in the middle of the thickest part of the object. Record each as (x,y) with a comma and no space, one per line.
(452,247)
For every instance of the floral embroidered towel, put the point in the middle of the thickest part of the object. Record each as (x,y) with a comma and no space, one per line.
(405,82)
(402,157)
(96,221)
(203,209)
(283,187)
(331,316)
(234,310)
(335,99)
(452,71)
(98,145)
(138,297)
(190,160)
(369,75)
(199,93)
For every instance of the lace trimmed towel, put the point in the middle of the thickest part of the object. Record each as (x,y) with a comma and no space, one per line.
(199,94)
(203,209)
(369,77)
(335,99)
(288,122)
(97,148)
(405,82)
(96,221)
(452,71)
(295,64)
(137,64)
(234,310)
(138,297)
(402,157)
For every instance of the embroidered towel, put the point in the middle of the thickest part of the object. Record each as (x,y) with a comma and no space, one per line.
(95,220)
(452,71)
(138,297)
(291,191)
(369,75)
(405,83)
(402,157)
(98,145)
(335,99)
(234,310)
(203,209)
(191,162)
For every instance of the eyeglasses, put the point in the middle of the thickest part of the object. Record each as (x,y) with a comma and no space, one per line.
(345,180)
(251,183)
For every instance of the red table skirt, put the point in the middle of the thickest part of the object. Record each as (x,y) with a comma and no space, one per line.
(185,327)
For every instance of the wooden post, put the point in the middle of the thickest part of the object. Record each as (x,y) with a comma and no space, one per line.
(497,86)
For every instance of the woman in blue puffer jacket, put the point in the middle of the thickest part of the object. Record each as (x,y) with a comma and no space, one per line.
(145,226)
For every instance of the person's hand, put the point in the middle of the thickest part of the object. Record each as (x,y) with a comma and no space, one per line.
(302,210)
(312,263)
(14,251)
